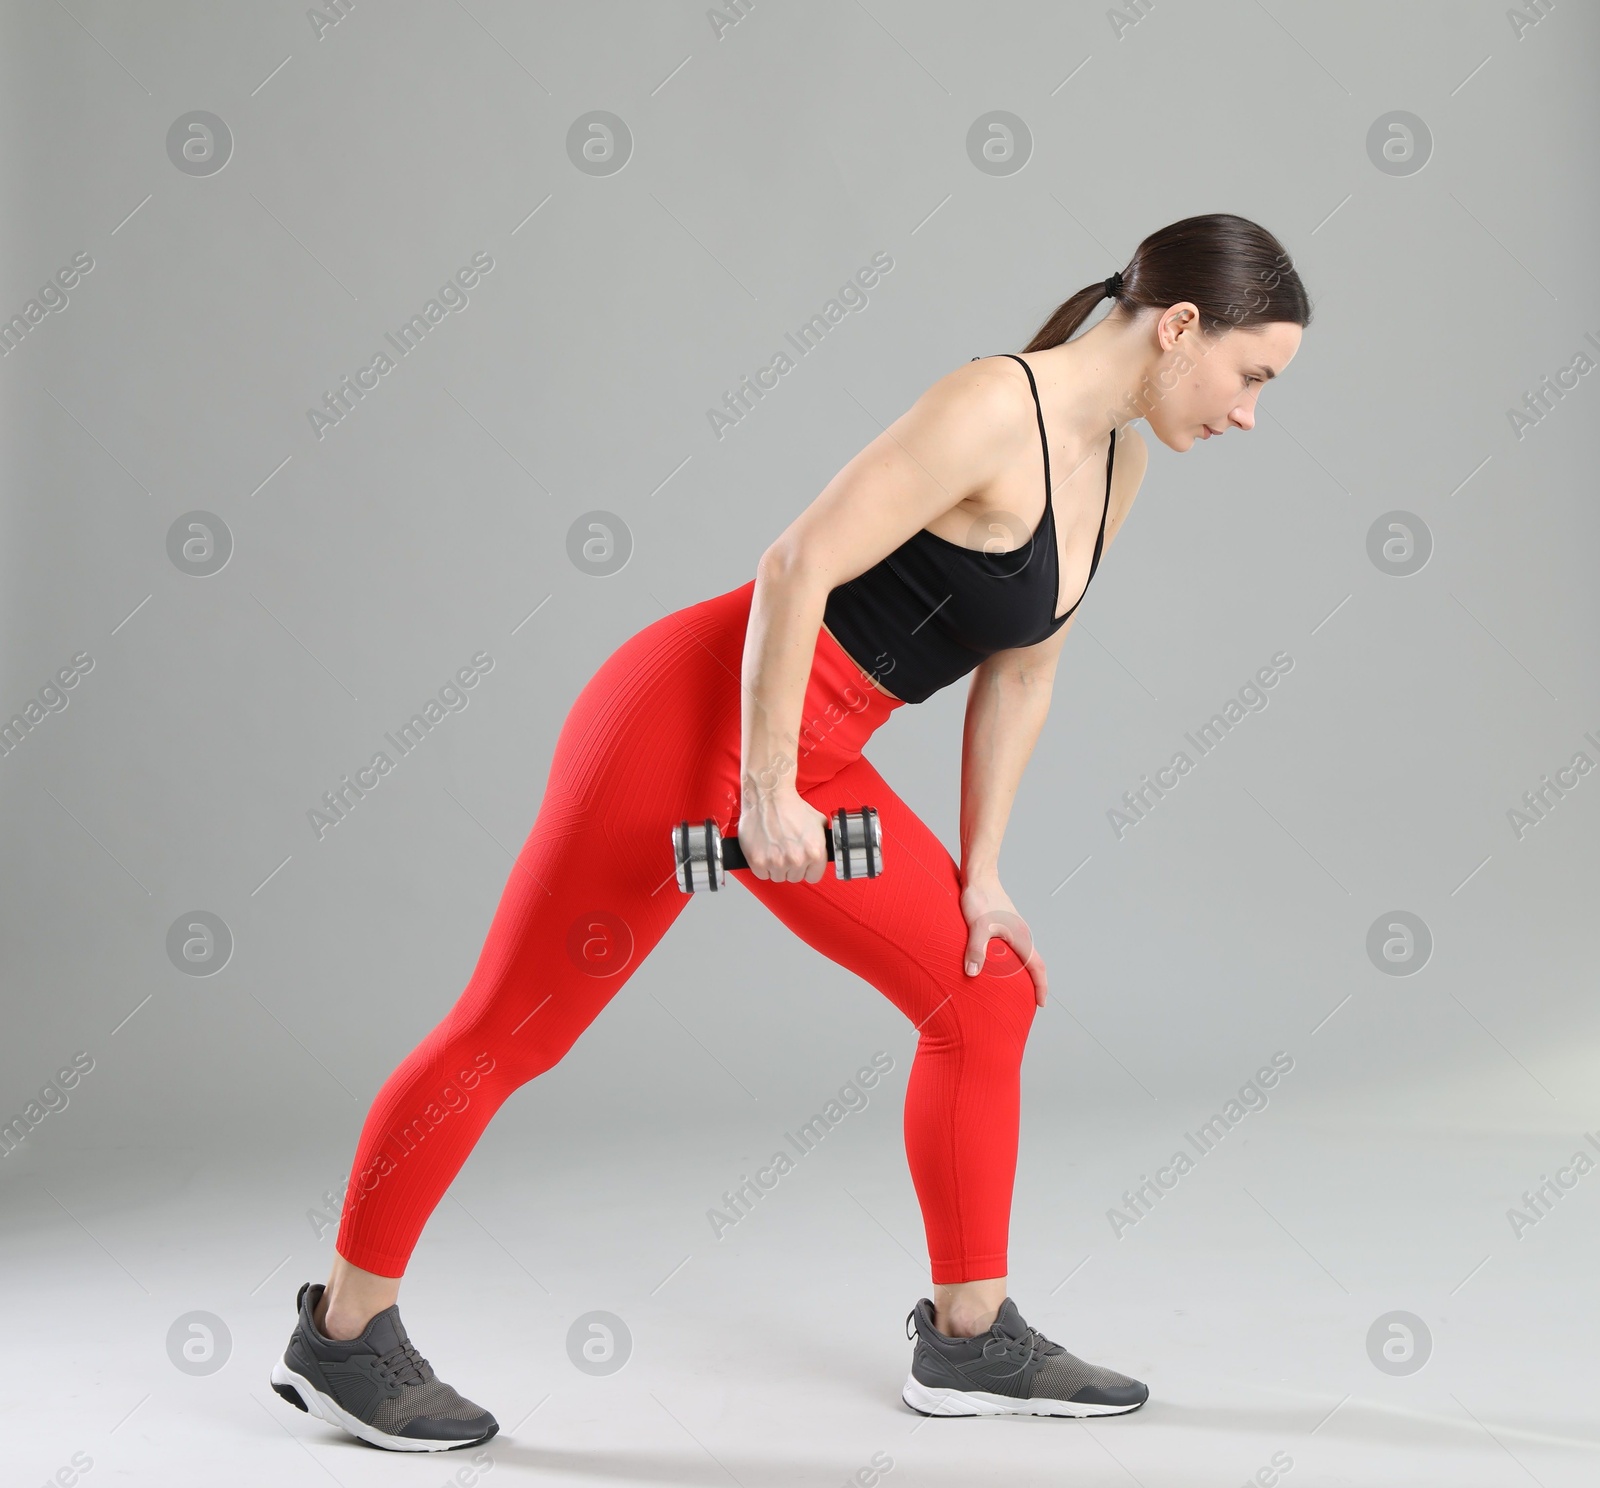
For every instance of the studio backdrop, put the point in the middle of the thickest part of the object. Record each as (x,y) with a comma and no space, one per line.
(371,373)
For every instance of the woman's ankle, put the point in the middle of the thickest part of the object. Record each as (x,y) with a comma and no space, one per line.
(968,1324)
(965,1309)
(351,1299)
(343,1322)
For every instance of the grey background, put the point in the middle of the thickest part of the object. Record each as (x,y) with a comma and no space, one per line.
(767,166)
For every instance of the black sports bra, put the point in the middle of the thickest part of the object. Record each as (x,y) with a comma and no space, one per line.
(926,614)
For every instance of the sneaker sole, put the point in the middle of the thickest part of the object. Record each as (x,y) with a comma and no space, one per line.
(937,1400)
(303,1395)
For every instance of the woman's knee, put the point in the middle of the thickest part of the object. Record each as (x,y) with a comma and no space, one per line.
(986,1016)
(496,1044)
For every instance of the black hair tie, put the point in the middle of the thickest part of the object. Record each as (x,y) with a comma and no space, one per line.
(1113,285)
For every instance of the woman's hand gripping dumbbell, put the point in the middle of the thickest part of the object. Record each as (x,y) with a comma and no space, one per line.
(854,843)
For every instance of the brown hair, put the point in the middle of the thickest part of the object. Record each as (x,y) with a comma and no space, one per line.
(1232,269)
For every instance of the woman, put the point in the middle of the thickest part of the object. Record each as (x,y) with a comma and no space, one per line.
(943,548)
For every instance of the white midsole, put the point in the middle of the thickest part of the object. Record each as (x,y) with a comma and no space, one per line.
(937,1400)
(329,1409)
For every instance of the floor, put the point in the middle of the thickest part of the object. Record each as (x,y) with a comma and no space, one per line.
(1250,1297)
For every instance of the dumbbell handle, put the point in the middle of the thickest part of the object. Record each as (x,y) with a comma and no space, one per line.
(733,852)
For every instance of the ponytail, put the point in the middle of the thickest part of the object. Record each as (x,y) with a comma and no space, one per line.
(1234,271)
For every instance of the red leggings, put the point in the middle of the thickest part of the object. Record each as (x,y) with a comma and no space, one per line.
(653,738)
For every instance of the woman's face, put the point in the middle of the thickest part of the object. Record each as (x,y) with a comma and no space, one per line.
(1203,383)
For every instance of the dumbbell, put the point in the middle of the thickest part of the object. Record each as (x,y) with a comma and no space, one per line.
(855,848)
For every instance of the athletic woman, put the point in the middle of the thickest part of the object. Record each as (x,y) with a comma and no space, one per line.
(943,548)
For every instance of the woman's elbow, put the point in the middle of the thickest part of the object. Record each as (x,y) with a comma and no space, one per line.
(1028,674)
(785,563)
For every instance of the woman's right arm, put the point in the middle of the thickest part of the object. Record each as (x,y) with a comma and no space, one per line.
(942,449)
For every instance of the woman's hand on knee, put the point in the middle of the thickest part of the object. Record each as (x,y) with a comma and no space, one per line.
(990,915)
(781,836)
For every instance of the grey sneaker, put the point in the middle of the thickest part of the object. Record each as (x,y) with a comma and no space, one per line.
(1012,1370)
(377,1386)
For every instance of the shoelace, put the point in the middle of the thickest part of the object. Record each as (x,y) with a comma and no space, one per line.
(403,1365)
(1022,1349)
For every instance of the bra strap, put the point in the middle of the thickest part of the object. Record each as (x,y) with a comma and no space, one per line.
(1099,542)
(1038,408)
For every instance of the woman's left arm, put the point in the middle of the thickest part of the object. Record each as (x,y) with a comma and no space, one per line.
(1006,708)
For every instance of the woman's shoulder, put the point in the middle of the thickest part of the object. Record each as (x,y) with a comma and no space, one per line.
(988,398)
